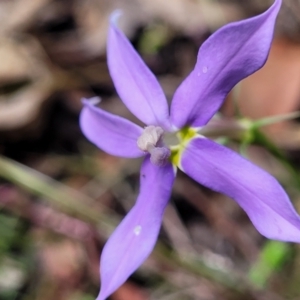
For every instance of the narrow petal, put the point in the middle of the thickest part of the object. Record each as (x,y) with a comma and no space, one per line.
(133,240)
(256,191)
(135,83)
(232,53)
(113,134)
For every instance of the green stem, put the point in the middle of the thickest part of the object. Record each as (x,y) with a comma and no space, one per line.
(261,139)
(65,198)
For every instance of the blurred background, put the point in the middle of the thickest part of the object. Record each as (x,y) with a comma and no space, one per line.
(61,197)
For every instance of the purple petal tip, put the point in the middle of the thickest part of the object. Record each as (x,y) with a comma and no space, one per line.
(115,16)
(91,101)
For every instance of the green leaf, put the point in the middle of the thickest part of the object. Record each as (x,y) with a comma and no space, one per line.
(272,258)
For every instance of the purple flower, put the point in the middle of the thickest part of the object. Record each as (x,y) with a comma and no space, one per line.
(229,55)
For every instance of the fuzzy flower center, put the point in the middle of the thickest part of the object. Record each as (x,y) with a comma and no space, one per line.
(151,141)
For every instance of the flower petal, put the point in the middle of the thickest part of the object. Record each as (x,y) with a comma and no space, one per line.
(111,133)
(257,192)
(133,240)
(135,83)
(232,53)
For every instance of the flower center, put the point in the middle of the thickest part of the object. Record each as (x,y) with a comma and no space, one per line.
(151,141)
(184,135)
